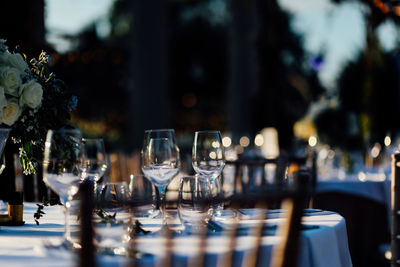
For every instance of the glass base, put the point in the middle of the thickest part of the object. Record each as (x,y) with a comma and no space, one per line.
(65,244)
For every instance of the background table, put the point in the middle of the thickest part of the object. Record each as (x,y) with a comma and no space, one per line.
(326,243)
(365,204)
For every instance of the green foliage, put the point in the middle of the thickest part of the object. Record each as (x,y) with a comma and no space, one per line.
(46,202)
(137,228)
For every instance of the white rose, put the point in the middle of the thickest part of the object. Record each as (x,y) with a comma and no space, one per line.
(10,79)
(31,94)
(11,113)
(18,62)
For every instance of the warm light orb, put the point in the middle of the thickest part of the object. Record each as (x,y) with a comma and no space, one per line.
(270,147)
(244,141)
(362,176)
(226,141)
(215,144)
(213,155)
(387,141)
(259,140)
(376,150)
(388,255)
(312,141)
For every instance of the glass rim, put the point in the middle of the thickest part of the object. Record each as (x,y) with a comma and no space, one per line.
(160,130)
(208,131)
(86,138)
(93,140)
(159,138)
(194,176)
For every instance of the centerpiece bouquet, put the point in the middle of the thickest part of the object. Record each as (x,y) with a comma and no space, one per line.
(32,100)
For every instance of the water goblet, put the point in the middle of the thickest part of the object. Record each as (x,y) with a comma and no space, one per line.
(208,160)
(160,164)
(194,203)
(61,172)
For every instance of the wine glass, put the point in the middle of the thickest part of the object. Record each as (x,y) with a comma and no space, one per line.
(208,160)
(61,172)
(162,133)
(160,164)
(194,203)
(94,159)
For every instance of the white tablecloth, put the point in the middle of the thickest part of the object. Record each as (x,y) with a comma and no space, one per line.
(378,191)
(325,245)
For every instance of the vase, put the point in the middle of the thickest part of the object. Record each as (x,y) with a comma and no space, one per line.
(7,169)
(4,133)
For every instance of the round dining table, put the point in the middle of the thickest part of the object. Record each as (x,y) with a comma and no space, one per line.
(323,241)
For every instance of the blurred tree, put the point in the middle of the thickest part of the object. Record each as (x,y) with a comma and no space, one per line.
(96,71)
(198,62)
(368,88)
(288,84)
(176,63)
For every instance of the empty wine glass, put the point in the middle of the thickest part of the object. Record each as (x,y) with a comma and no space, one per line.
(61,170)
(94,162)
(160,164)
(208,160)
(162,133)
(194,202)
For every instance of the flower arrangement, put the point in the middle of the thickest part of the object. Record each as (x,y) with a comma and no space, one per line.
(32,100)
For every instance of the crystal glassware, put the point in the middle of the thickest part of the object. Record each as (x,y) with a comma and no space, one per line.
(61,172)
(141,189)
(94,162)
(208,160)
(160,161)
(194,202)
(112,219)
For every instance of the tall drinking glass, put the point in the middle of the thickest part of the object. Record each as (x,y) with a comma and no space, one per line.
(142,189)
(208,160)
(194,201)
(160,164)
(61,171)
(112,219)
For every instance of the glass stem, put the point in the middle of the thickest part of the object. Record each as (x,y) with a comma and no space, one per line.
(67,230)
(161,191)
